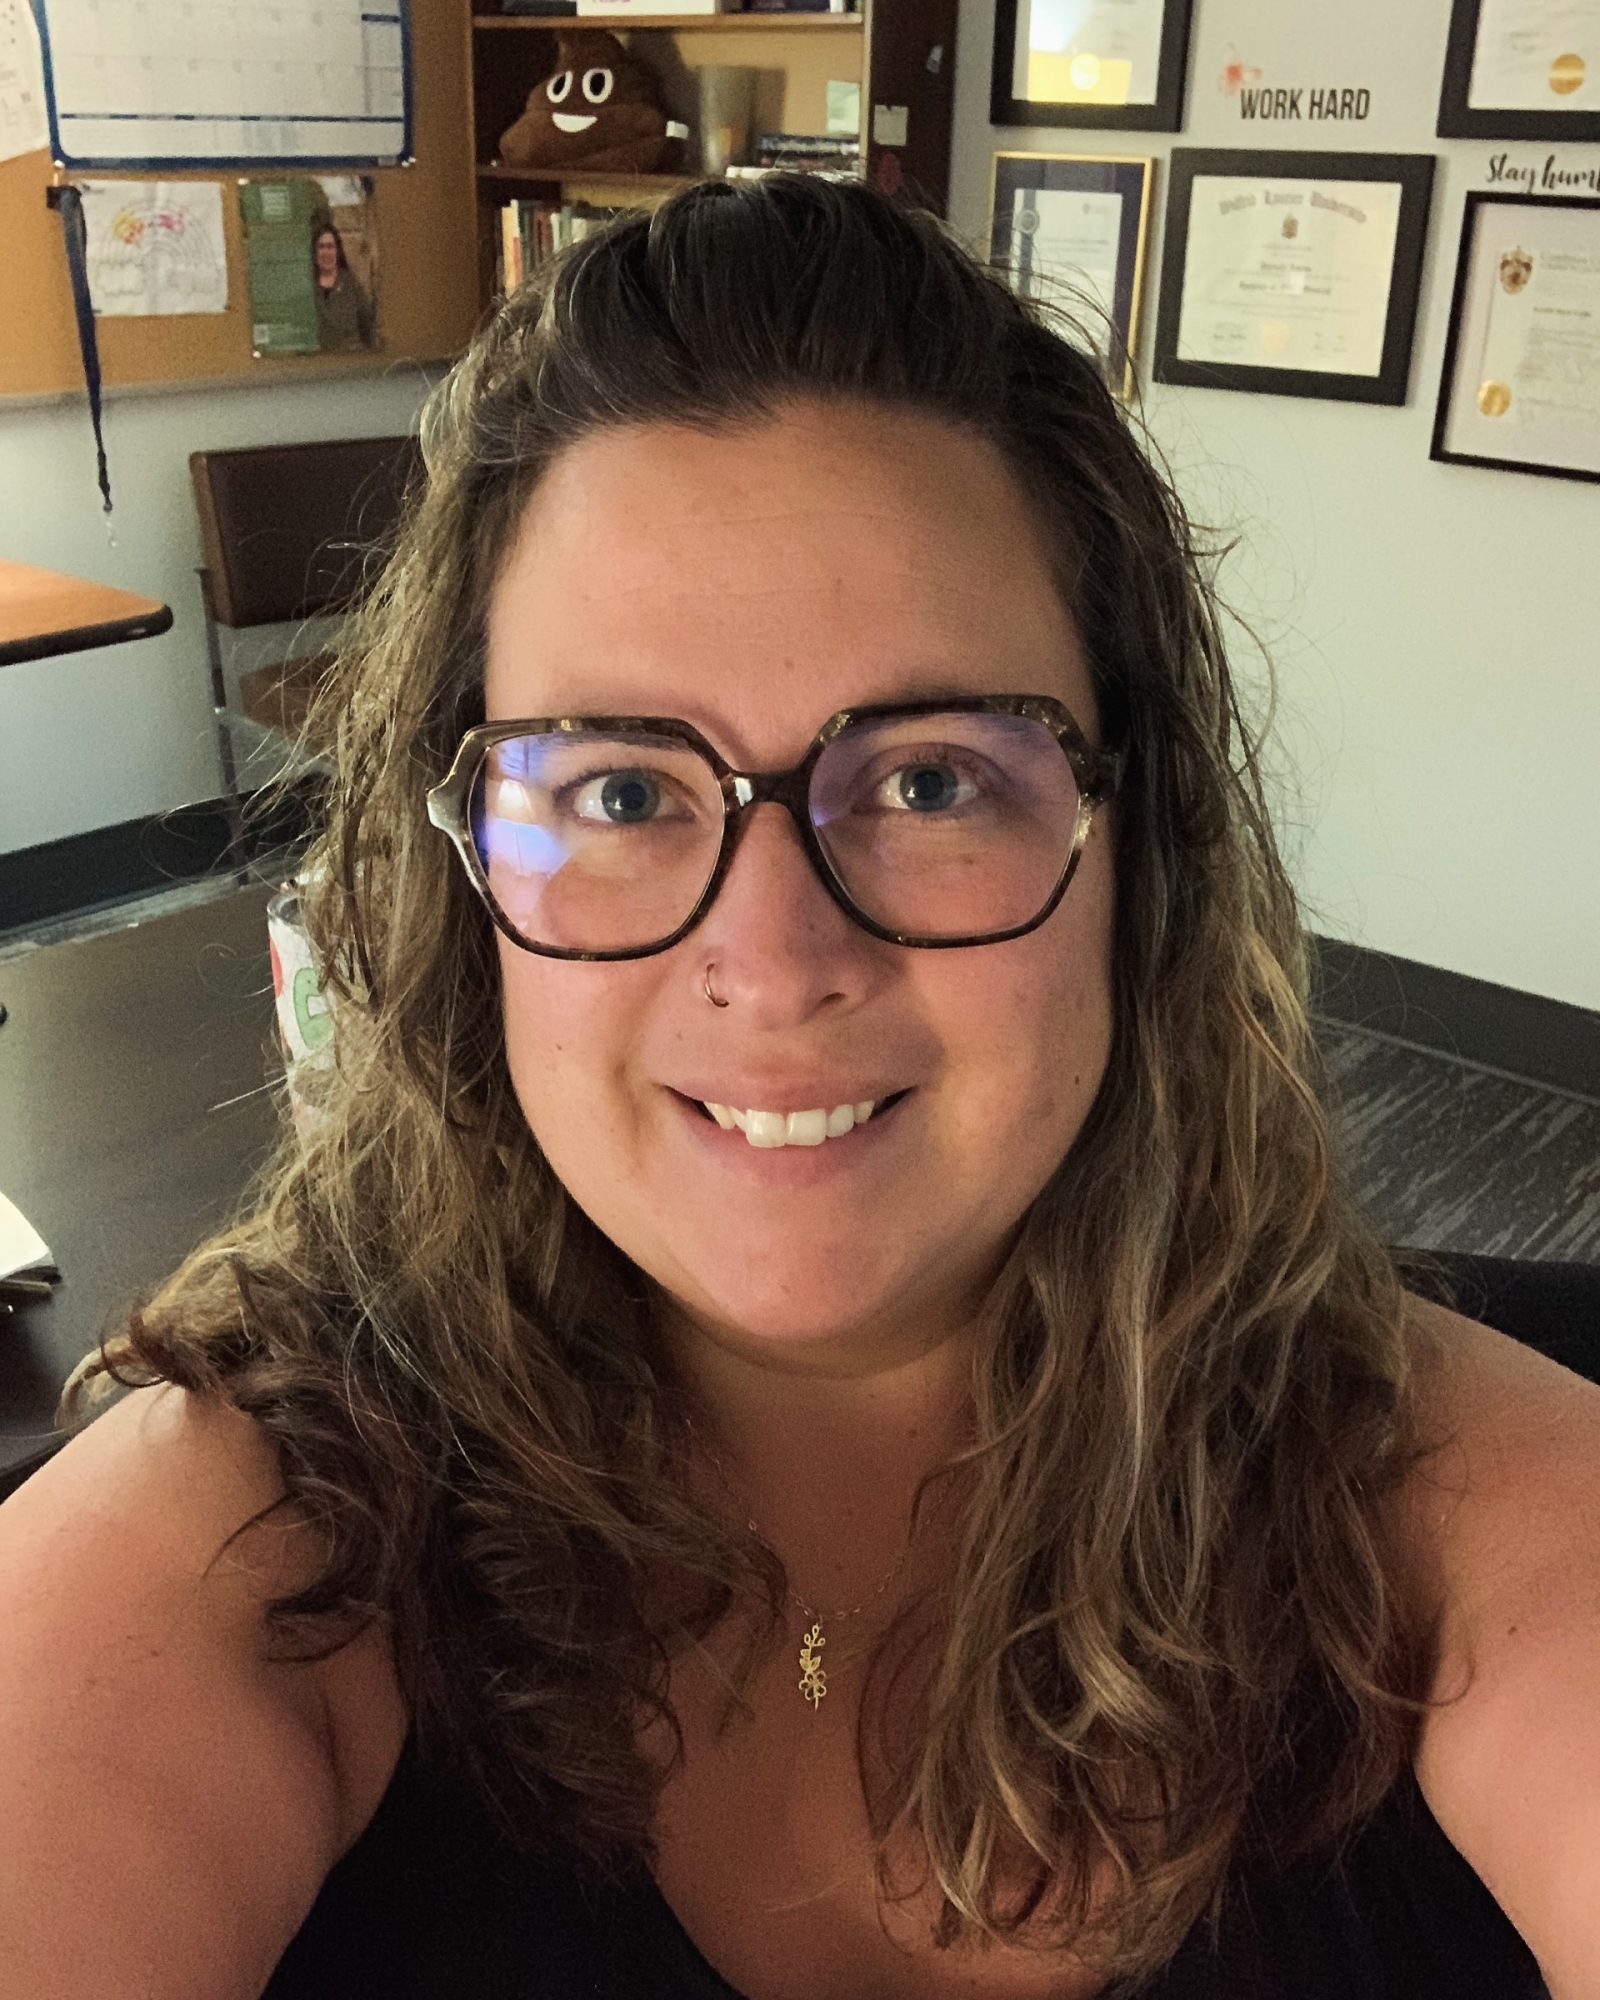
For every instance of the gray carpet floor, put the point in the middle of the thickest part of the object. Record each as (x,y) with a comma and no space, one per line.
(1449,1156)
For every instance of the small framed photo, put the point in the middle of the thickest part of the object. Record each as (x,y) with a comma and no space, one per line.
(1070,229)
(1295,274)
(1521,385)
(1522,69)
(1112,63)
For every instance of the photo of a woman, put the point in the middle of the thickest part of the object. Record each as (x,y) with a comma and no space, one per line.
(345,318)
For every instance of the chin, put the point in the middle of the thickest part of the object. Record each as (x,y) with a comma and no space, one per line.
(824,1298)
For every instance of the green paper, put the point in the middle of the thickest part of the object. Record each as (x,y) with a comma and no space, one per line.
(277,232)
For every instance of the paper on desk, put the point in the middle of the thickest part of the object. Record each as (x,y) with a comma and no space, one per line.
(155,246)
(24,128)
(22,1248)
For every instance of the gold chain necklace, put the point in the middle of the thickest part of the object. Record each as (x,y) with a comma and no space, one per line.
(813,1675)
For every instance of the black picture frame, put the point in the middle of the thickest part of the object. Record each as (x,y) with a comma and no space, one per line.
(1088,173)
(1458,120)
(1164,114)
(1413,173)
(1467,316)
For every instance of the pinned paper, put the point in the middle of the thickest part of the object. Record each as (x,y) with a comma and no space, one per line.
(24,125)
(155,246)
(889,124)
(22,1248)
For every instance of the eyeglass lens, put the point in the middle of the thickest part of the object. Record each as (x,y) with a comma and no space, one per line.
(935,826)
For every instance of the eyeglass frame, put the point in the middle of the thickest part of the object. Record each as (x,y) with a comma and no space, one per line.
(1097,774)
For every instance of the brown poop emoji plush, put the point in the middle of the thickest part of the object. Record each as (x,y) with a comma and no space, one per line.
(600,109)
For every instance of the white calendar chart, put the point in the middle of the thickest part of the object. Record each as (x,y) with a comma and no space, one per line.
(183,83)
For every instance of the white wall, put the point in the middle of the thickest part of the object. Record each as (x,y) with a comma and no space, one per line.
(1434,626)
(90,739)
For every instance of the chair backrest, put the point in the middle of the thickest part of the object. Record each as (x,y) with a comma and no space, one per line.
(287,529)
(1551,1306)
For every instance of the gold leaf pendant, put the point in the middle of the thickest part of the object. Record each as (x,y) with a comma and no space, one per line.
(813,1681)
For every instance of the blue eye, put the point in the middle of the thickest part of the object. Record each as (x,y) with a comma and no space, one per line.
(626,798)
(928,787)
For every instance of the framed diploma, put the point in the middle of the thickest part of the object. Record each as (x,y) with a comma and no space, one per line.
(1521,383)
(1522,69)
(1293,273)
(1069,229)
(1117,63)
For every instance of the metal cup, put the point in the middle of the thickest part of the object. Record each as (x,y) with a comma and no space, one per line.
(727,112)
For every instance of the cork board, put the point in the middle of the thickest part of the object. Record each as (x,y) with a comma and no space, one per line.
(426,233)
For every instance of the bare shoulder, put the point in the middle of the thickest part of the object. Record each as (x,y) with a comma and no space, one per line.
(1500,1526)
(156,1762)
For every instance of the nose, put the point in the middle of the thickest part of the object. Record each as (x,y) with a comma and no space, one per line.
(783,947)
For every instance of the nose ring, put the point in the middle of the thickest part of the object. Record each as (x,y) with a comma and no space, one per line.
(709,994)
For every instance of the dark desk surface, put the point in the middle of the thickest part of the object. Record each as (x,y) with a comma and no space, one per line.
(43,613)
(131,1117)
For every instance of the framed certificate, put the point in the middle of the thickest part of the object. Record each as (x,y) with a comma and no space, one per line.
(1522,69)
(1069,229)
(1116,63)
(1293,273)
(1521,383)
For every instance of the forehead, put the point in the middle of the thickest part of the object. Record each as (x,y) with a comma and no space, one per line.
(755,580)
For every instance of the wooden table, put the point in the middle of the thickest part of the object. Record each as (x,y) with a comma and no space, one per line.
(43,613)
(132,1113)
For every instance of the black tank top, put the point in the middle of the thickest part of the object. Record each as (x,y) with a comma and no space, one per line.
(434,1902)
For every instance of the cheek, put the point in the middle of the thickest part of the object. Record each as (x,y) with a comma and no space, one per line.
(1044,1024)
(558,1031)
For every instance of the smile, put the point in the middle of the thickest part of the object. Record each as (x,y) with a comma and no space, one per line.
(767,1131)
(572,121)
(792,1128)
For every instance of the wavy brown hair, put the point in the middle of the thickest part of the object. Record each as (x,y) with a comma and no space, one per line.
(1170,1642)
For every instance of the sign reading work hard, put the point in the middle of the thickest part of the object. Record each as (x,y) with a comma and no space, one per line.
(177,83)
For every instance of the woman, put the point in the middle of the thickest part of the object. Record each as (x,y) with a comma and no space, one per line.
(344,312)
(813,1416)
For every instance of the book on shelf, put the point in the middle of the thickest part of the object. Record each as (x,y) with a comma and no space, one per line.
(826,170)
(532,231)
(803,152)
(798,7)
(808,145)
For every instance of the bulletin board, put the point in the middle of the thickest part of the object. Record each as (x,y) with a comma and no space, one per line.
(194,82)
(426,222)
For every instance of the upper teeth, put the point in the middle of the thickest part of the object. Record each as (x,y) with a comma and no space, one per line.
(793,1128)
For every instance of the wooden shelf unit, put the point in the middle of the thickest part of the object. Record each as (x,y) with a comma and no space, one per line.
(901,51)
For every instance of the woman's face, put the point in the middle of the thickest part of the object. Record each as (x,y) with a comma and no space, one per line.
(327,249)
(753,583)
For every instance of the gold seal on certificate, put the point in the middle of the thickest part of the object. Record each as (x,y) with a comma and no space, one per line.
(1522,69)
(1529,51)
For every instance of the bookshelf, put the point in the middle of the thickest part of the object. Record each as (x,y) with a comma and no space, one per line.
(902,52)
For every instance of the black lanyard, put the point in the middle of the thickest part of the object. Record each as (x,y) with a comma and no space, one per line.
(69,203)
